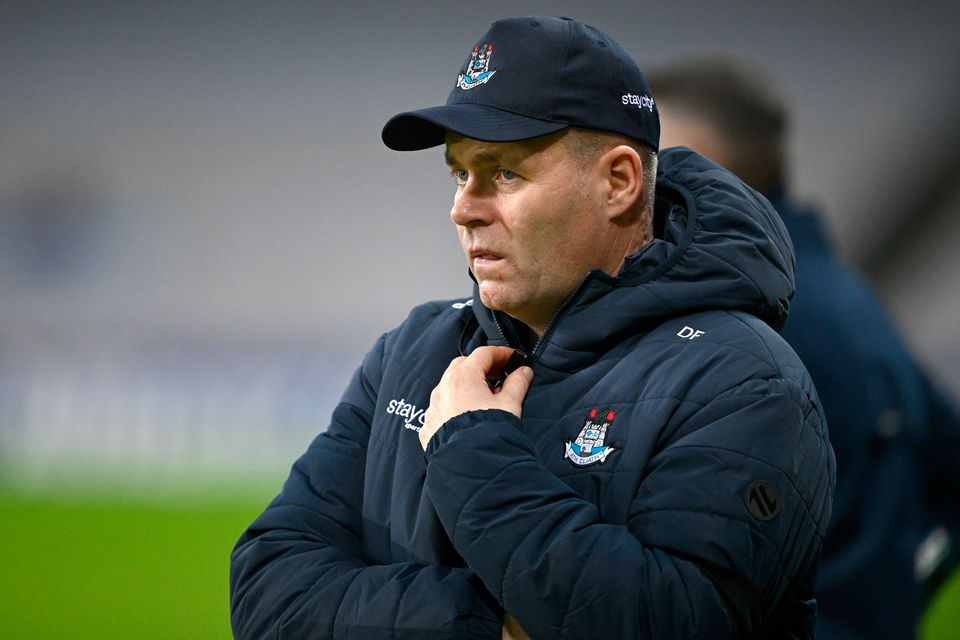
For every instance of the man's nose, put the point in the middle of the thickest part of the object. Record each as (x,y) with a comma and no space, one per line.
(471,206)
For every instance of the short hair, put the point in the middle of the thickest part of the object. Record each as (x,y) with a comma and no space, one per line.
(740,103)
(588,144)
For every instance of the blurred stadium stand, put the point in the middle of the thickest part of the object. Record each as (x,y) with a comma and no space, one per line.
(200,232)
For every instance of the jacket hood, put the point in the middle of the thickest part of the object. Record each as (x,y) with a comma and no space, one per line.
(719,245)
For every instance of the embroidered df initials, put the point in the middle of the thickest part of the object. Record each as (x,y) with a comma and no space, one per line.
(689,333)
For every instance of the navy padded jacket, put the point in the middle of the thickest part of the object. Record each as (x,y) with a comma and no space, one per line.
(704,518)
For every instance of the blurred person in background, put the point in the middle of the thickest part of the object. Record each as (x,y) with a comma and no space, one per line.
(896,437)
(609,439)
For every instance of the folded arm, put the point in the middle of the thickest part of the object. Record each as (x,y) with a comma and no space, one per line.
(299,571)
(690,562)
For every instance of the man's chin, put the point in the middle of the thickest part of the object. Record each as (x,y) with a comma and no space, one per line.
(505,305)
(493,297)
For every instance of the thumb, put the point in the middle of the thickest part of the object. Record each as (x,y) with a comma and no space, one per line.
(517,384)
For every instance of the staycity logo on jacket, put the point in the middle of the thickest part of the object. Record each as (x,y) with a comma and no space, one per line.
(478,69)
(413,417)
(590,446)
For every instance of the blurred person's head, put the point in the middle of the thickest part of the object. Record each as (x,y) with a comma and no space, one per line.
(551,135)
(727,111)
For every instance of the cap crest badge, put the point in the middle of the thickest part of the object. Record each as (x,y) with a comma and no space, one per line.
(478,69)
(590,446)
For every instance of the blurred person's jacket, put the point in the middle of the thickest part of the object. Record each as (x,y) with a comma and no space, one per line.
(897,440)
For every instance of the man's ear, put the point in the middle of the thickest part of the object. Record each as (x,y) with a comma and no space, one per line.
(623,171)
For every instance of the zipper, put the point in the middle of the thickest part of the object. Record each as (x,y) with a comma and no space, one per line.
(521,358)
(517,359)
(555,320)
(503,335)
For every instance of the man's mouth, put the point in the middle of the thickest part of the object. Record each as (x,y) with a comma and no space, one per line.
(484,256)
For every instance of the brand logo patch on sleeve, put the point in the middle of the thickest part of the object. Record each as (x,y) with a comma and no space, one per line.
(590,446)
(763,500)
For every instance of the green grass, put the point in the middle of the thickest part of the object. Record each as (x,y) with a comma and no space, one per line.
(942,619)
(101,570)
(113,568)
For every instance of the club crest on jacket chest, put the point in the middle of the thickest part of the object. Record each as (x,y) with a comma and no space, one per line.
(592,444)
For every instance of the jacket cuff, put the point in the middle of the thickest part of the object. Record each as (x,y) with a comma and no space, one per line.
(456,424)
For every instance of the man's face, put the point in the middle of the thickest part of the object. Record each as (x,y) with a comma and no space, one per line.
(531,223)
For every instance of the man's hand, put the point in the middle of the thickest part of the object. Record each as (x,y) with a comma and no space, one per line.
(464,387)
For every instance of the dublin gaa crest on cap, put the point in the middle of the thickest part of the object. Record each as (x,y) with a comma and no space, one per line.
(551,74)
(478,69)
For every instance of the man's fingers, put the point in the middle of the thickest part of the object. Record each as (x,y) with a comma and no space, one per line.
(517,384)
(491,360)
(456,362)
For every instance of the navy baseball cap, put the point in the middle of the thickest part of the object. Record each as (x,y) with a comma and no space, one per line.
(527,77)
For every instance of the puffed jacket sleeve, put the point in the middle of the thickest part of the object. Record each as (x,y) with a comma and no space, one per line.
(299,570)
(690,562)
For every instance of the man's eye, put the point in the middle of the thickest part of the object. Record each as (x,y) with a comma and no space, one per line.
(460,175)
(507,175)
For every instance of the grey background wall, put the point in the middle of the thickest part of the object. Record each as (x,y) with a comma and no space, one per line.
(196,210)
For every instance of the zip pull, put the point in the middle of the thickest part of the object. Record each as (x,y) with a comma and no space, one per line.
(517,359)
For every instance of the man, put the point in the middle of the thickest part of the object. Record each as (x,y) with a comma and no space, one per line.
(609,439)
(897,439)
